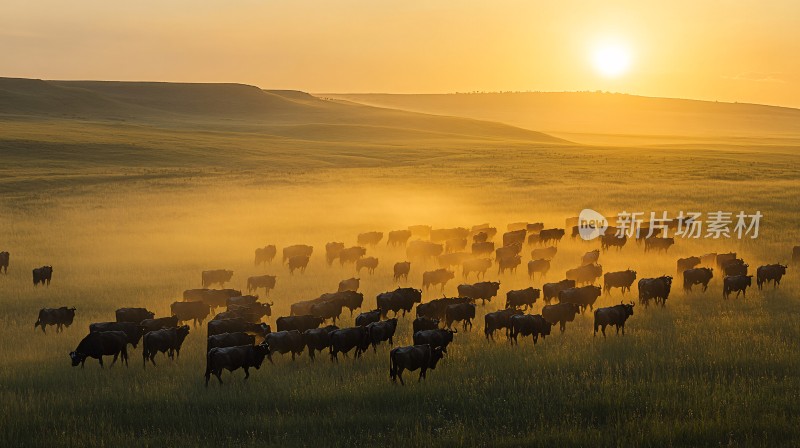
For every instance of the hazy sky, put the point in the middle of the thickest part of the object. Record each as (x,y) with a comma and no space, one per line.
(720,50)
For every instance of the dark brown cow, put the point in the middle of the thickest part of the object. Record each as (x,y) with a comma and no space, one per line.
(220,276)
(299,323)
(369,238)
(709,260)
(515,237)
(454,259)
(528,325)
(435,337)
(722,258)
(401,270)
(158,324)
(134,315)
(697,276)
(658,243)
(477,265)
(261,281)
(455,245)
(133,330)
(398,237)
(508,263)
(194,311)
(411,358)
(541,265)
(548,235)
(560,313)
(585,296)
(285,342)
(229,340)
(351,254)
(442,235)
(213,297)
(436,309)
(610,240)
(479,291)
(42,275)
(590,257)
(437,277)
(417,250)
(60,317)
(522,298)
(327,310)
(736,266)
(480,237)
(546,252)
(332,251)
(265,254)
(499,320)
(233,358)
(99,344)
(297,250)
(585,274)
(657,289)
(460,312)
(551,290)
(4,259)
(401,299)
(424,323)
(351,284)
(370,263)
(166,340)
(366,318)
(613,315)
(237,325)
(620,279)
(346,339)
(420,231)
(382,331)
(687,263)
(298,262)
(508,251)
(318,339)
(770,273)
(484,248)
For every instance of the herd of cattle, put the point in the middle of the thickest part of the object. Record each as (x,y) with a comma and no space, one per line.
(311,325)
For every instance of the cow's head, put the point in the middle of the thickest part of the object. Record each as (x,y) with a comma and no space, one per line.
(437,353)
(77,358)
(260,352)
(629,308)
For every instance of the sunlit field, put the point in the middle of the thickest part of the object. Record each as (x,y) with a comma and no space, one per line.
(700,372)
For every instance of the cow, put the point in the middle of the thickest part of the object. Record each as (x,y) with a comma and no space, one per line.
(508,263)
(351,255)
(194,311)
(366,318)
(349,299)
(560,313)
(241,300)
(42,275)
(477,265)
(498,320)
(708,260)
(514,237)
(60,317)
(613,315)
(398,237)
(585,296)
(99,344)
(133,331)
(261,281)
(159,323)
(346,339)
(327,310)
(541,265)
(590,257)
(299,323)
(229,340)
(436,309)
(437,277)
(213,297)
(166,340)
(697,276)
(460,312)
(332,251)
(528,325)
(551,290)
(534,239)
(620,279)
(585,274)
(514,226)
(480,237)
(484,228)
(609,240)
(453,259)
(442,235)
(735,267)
(658,243)
(318,339)
(535,227)
(285,342)
(484,248)
(545,252)
(522,298)
(420,231)
(234,358)
(220,276)
(687,263)
(304,307)
(455,244)
(507,251)
(4,258)
(401,299)
(297,250)
(424,323)
(736,283)
(237,325)
(134,315)
(423,250)
(770,273)
(411,358)
(436,337)
(351,284)
(369,238)
(657,289)
(548,235)
(370,263)
(252,312)
(265,254)
(401,270)
(720,259)
(298,262)
(382,331)
(481,290)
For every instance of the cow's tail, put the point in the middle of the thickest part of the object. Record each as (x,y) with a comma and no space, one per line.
(392,366)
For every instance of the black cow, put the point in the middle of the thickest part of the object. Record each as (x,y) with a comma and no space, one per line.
(318,339)
(346,339)
(435,337)
(213,276)
(229,340)
(721,259)
(697,276)
(515,236)
(499,320)
(620,279)
(770,272)
(213,297)
(522,298)
(398,237)
(194,311)
(382,331)
(4,258)
(560,313)
(657,289)
(285,342)
(541,265)
(364,319)
(133,331)
(411,358)
(613,315)
(327,310)
(237,325)
(482,290)
(332,251)
(585,274)
(658,243)
(401,299)
(158,324)
(401,270)
(737,266)
(298,262)
(529,325)
(102,343)
(265,254)
(42,275)
(424,323)
(585,296)
(166,340)
(436,309)
(547,235)
(685,264)
(60,317)
(609,240)
(261,281)
(460,312)
(134,315)
(299,323)
(551,290)
(233,358)
(737,283)
(484,248)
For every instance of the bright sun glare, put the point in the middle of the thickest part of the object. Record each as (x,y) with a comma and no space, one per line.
(611,60)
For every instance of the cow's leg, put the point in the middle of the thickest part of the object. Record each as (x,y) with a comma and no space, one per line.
(218,374)
(246,372)
(421,374)
(400,375)
(603,329)
(114,360)
(100,359)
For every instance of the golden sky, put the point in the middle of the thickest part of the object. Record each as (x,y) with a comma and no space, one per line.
(743,51)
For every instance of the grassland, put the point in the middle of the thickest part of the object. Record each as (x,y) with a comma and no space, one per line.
(130,213)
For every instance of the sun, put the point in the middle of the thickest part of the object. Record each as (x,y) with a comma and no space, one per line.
(611,59)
